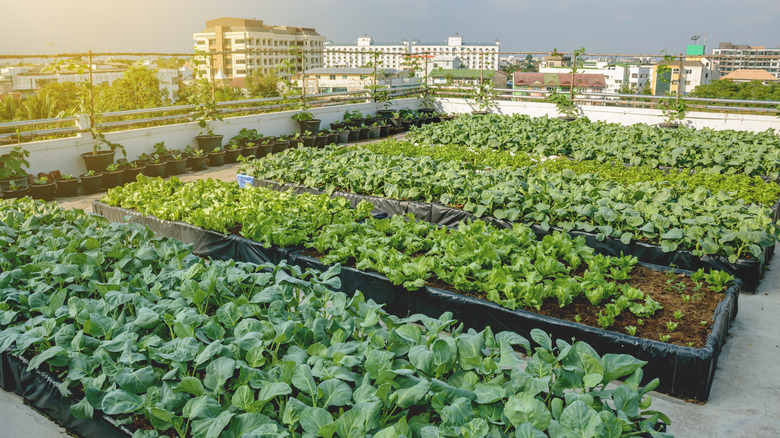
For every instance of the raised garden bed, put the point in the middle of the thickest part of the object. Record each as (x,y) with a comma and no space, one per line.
(665,359)
(747,270)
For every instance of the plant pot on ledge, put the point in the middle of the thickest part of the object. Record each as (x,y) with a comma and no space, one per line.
(231,155)
(216,159)
(312,125)
(209,142)
(249,151)
(18,192)
(67,188)
(97,161)
(176,167)
(153,170)
(91,183)
(197,163)
(111,179)
(131,173)
(669,125)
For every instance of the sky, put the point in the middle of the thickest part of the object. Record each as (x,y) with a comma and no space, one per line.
(600,26)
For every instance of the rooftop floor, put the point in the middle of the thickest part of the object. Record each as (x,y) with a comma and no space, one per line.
(745,397)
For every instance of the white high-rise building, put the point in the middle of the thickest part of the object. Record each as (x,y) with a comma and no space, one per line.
(394,55)
(268,45)
(732,57)
(360,54)
(472,55)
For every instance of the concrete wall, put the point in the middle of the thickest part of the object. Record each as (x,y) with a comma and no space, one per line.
(64,154)
(623,116)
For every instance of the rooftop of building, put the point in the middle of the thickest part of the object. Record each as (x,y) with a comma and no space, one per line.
(350,71)
(751,75)
(461,73)
(245,24)
(531,79)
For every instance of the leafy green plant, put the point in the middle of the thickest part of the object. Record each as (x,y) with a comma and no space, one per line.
(671,326)
(353,115)
(67,176)
(13,163)
(678,314)
(631,330)
(41,181)
(664,338)
(482,96)
(673,109)
(219,348)
(566,106)
(100,140)
(303,116)
(113,167)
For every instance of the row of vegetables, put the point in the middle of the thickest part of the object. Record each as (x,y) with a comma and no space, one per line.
(175,345)
(679,215)
(507,266)
(716,151)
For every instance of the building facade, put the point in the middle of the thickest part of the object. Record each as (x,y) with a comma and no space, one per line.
(396,55)
(469,77)
(266,46)
(583,82)
(732,57)
(617,75)
(390,55)
(683,77)
(334,80)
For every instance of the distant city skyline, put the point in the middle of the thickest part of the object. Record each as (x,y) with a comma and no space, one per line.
(607,26)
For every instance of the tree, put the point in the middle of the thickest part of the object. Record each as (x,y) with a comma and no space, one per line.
(260,85)
(646,90)
(530,65)
(727,89)
(139,87)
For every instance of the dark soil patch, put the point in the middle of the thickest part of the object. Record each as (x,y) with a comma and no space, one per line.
(668,289)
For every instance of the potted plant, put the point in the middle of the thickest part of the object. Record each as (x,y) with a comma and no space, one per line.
(155,167)
(15,191)
(99,158)
(674,110)
(43,188)
(281,144)
(249,150)
(307,121)
(206,113)
(12,167)
(482,98)
(163,152)
(176,165)
(266,147)
(90,181)
(353,118)
(131,170)
(232,152)
(567,109)
(333,137)
(244,136)
(374,130)
(112,176)
(196,159)
(216,157)
(308,139)
(67,186)
(384,130)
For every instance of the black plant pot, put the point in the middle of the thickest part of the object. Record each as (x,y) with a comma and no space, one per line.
(19,192)
(354,134)
(111,179)
(208,143)
(249,151)
(312,126)
(309,141)
(131,174)
(426,110)
(365,133)
(385,114)
(231,155)
(67,188)
(374,131)
(343,136)
(44,192)
(333,138)
(197,163)
(668,125)
(396,122)
(384,131)
(91,184)
(216,159)
(176,167)
(280,145)
(154,170)
(265,149)
(18,182)
(338,126)
(98,162)
(319,141)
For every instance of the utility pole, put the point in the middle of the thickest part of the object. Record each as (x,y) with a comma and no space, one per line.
(91,86)
(211,78)
(680,76)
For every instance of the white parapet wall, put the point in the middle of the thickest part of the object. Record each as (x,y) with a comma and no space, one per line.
(64,154)
(621,115)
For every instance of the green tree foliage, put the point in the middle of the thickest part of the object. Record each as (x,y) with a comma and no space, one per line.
(727,89)
(138,88)
(260,85)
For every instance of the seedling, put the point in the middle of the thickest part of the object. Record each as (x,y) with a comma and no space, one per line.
(689,344)
(640,321)
(664,338)
(671,326)
(678,314)
(577,318)
(631,330)
(704,323)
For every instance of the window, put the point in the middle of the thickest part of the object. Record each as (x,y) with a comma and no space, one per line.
(212,41)
(688,71)
(343,76)
(200,42)
(240,41)
(317,76)
(332,77)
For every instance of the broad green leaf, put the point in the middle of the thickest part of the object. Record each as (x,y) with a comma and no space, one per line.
(523,408)
(243,398)
(580,419)
(121,402)
(313,419)
(334,392)
(199,407)
(135,381)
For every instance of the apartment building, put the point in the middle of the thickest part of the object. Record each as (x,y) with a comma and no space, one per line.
(683,77)
(261,46)
(617,75)
(732,57)
(338,79)
(394,55)
(343,55)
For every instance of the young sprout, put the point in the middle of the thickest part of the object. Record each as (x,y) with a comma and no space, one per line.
(671,326)
(686,298)
(664,338)
(704,323)
(631,330)
(690,344)
(577,318)
(640,321)
(678,314)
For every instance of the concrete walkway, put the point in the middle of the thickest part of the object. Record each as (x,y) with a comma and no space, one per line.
(745,397)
